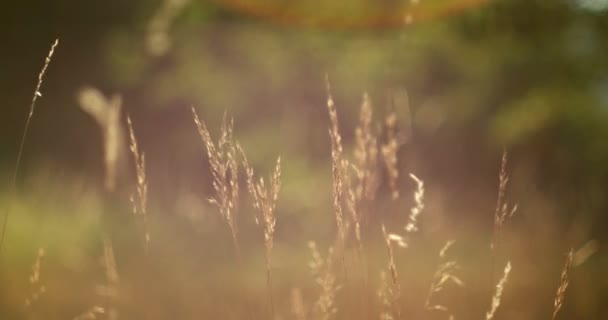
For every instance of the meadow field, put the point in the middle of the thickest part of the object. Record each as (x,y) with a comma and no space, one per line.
(194,160)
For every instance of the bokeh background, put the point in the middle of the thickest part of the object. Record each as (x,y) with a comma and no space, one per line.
(467,78)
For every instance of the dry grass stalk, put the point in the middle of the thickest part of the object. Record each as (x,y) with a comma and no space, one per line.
(37,289)
(264,202)
(366,153)
(356,183)
(264,199)
(110,290)
(337,163)
(444,274)
(37,94)
(502,211)
(365,168)
(352,201)
(325,306)
(106,113)
(341,180)
(224,167)
(298,308)
(390,290)
(412,223)
(385,296)
(560,295)
(140,201)
(389,152)
(498,292)
(47,61)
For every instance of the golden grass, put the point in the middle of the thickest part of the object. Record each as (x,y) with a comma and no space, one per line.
(298,308)
(390,289)
(321,268)
(560,295)
(338,165)
(496,298)
(389,152)
(13,181)
(140,199)
(264,202)
(502,211)
(110,290)
(364,167)
(356,182)
(411,225)
(444,275)
(224,167)
(36,287)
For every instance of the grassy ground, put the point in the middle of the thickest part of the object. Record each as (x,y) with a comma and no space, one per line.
(364,240)
(190,269)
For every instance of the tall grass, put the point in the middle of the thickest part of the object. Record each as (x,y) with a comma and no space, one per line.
(139,200)
(357,180)
(500,287)
(560,295)
(224,167)
(265,202)
(37,93)
(443,276)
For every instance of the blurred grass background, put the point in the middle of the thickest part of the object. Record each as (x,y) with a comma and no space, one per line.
(465,77)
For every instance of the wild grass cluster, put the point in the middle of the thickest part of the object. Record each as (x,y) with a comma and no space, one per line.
(346,279)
